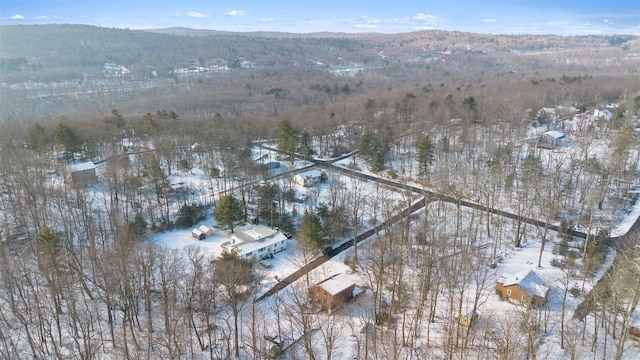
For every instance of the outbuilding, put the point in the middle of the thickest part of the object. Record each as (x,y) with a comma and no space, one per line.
(333,292)
(80,174)
(550,139)
(207,231)
(198,234)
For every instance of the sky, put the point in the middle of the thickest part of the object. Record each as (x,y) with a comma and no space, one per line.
(562,17)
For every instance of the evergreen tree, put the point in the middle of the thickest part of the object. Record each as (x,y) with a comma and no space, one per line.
(138,226)
(288,136)
(229,213)
(36,137)
(68,138)
(149,122)
(377,161)
(188,215)
(305,145)
(310,233)
(268,203)
(367,145)
(116,119)
(49,246)
(471,107)
(425,155)
(406,107)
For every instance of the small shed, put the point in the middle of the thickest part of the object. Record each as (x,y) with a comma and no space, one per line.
(550,139)
(206,230)
(198,234)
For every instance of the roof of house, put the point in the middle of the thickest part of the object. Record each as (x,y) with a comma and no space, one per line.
(336,284)
(82,166)
(530,282)
(249,238)
(554,134)
(251,246)
(313,173)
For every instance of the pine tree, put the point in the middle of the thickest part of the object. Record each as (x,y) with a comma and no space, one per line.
(68,138)
(288,136)
(115,119)
(229,213)
(310,233)
(305,145)
(425,155)
(36,137)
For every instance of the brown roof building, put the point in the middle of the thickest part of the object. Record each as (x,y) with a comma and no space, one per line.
(333,292)
(524,288)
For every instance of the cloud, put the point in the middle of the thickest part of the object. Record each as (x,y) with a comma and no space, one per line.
(365,26)
(196,14)
(607,21)
(41,17)
(177,14)
(17,17)
(236,13)
(489,21)
(425,17)
(266,20)
(369,20)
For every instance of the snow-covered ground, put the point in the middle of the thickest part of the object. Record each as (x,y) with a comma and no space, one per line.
(353,317)
(492,244)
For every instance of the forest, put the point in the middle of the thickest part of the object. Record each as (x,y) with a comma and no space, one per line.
(185,128)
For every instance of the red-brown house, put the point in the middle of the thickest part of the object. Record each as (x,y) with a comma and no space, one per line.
(333,292)
(524,288)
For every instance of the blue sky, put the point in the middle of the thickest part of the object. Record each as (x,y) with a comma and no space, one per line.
(563,17)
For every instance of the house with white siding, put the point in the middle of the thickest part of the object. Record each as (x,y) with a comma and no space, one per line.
(308,178)
(255,241)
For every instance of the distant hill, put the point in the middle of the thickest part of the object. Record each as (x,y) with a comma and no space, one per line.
(53,70)
(58,52)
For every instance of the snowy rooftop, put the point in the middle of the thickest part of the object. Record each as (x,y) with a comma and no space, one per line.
(313,173)
(251,246)
(249,238)
(251,233)
(82,166)
(529,281)
(554,134)
(337,284)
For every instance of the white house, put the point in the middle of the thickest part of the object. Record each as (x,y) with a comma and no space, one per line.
(603,114)
(308,178)
(256,241)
